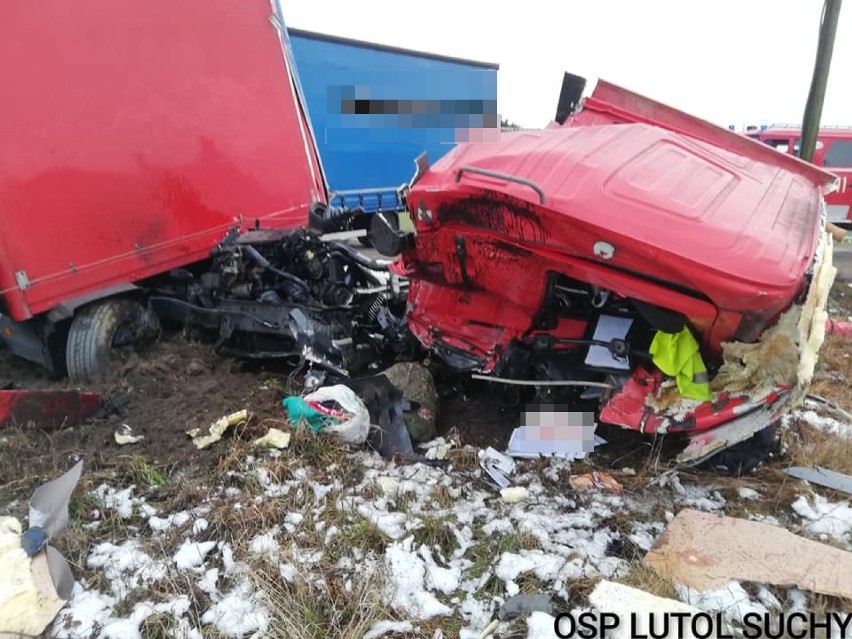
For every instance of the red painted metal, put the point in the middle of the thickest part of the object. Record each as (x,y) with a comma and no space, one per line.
(786,140)
(133,138)
(629,408)
(671,207)
(611,104)
(46,409)
(630,196)
(834,327)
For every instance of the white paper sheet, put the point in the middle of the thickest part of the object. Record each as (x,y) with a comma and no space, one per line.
(609,328)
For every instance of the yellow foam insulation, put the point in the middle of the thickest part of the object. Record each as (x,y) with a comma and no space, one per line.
(28,600)
(785,354)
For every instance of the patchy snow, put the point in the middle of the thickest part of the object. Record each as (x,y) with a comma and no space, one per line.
(381,628)
(730,599)
(540,625)
(511,565)
(199,525)
(826,424)
(126,566)
(645,534)
(393,524)
(407,574)
(825,518)
(748,494)
(265,544)
(86,611)
(121,501)
(239,613)
(228,559)
(566,537)
(445,580)
(160,524)
(191,554)
(209,582)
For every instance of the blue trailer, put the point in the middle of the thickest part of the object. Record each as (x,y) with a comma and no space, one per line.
(375,108)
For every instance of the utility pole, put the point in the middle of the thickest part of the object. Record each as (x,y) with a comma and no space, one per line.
(816,96)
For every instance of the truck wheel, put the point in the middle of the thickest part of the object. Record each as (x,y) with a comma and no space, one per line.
(102,330)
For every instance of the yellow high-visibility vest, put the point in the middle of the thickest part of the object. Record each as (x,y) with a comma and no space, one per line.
(677,355)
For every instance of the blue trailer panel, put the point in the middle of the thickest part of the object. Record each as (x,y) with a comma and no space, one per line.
(374,109)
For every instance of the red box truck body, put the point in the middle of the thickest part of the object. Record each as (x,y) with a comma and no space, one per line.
(135,135)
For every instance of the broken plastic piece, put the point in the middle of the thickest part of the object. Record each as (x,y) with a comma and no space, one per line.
(47,408)
(33,540)
(497,465)
(217,429)
(514,494)
(49,503)
(301,412)
(590,481)
(525,604)
(275,438)
(124,436)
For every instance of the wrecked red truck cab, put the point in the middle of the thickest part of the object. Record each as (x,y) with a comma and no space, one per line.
(631,248)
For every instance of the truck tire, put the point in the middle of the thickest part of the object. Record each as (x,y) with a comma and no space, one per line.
(93,333)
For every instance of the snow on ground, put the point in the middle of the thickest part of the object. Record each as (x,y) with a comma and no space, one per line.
(824,423)
(451,548)
(823,518)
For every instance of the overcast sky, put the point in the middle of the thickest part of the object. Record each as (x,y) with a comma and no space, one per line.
(729,61)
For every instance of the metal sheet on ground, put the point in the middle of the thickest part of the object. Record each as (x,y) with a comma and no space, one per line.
(823,477)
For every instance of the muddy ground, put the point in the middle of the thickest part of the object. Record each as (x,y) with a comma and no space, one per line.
(181,384)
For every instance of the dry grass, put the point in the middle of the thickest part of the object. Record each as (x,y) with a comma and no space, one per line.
(344,607)
(488,549)
(834,371)
(643,578)
(809,446)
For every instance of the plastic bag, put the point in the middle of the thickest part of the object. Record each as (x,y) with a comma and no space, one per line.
(354,428)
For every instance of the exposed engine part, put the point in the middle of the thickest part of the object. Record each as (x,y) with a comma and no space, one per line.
(284,294)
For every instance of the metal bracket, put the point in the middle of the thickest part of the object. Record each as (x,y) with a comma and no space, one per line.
(22,280)
(502,176)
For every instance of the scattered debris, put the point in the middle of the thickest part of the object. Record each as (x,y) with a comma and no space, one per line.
(822,477)
(28,598)
(335,409)
(415,382)
(625,602)
(437,449)
(124,436)
(487,631)
(514,494)
(571,441)
(389,434)
(590,481)
(524,605)
(37,579)
(497,466)
(47,409)
(704,552)
(275,438)
(389,485)
(217,429)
